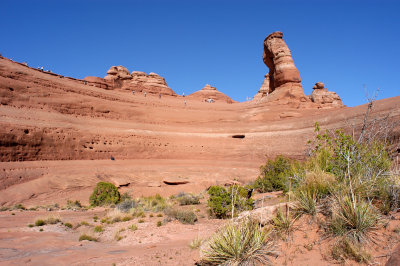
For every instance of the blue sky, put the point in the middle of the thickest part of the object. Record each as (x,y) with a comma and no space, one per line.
(345,44)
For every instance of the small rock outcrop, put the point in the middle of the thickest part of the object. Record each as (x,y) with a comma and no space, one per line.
(264,90)
(325,98)
(210,94)
(119,77)
(284,78)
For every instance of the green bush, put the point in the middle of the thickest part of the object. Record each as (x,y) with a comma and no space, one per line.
(275,174)
(222,201)
(104,193)
(185,217)
(40,222)
(98,229)
(69,225)
(87,237)
(245,243)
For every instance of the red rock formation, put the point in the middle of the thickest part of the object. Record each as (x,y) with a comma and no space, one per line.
(285,81)
(210,93)
(325,98)
(119,77)
(264,90)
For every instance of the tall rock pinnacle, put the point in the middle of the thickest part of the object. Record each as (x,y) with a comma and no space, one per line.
(284,78)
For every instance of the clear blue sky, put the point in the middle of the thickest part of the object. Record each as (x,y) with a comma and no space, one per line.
(345,44)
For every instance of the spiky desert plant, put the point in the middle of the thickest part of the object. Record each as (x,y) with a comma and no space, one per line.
(354,218)
(244,243)
(283,223)
(306,202)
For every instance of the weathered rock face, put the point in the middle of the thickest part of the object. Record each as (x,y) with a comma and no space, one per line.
(210,93)
(119,77)
(118,72)
(264,90)
(325,98)
(284,78)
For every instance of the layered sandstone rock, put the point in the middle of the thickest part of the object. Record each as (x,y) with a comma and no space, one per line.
(264,90)
(284,78)
(325,98)
(209,93)
(119,77)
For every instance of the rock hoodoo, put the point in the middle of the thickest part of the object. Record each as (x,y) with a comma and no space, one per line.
(284,78)
(119,77)
(210,93)
(264,90)
(326,99)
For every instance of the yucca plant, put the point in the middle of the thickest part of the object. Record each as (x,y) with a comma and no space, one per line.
(306,202)
(283,223)
(244,243)
(354,218)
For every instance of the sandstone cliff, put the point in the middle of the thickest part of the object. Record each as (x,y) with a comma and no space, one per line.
(210,93)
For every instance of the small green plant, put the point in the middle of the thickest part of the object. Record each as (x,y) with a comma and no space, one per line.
(69,225)
(41,230)
(98,229)
(87,237)
(127,218)
(306,202)
(184,216)
(141,221)
(153,203)
(151,215)
(195,243)
(283,223)
(133,227)
(84,223)
(159,223)
(40,222)
(19,207)
(31,225)
(245,243)
(159,215)
(104,193)
(225,203)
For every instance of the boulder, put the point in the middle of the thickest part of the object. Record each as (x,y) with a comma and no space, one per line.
(263,215)
(118,72)
(175,181)
(325,98)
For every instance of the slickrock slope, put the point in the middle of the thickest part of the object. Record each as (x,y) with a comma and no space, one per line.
(209,93)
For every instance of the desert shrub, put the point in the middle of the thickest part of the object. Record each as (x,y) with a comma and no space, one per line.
(275,174)
(87,237)
(153,203)
(31,225)
(125,197)
(126,218)
(187,199)
(347,249)
(40,222)
(69,225)
(354,218)
(126,205)
(52,220)
(245,243)
(74,204)
(184,216)
(159,223)
(104,193)
(98,229)
(19,206)
(224,203)
(159,215)
(141,221)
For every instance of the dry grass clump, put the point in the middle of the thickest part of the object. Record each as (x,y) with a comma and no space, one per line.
(98,229)
(244,243)
(347,249)
(195,243)
(187,199)
(184,216)
(283,222)
(53,219)
(88,237)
